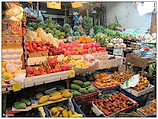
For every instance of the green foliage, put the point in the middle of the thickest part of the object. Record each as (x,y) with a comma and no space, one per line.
(113,26)
(66,28)
(87,23)
(76,28)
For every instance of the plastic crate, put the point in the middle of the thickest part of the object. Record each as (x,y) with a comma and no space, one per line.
(77,107)
(87,97)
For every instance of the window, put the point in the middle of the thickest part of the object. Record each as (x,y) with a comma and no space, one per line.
(145,7)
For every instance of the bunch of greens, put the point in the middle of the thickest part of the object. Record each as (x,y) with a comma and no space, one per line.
(87,23)
(113,26)
(98,29)
(114,34)
(102,38)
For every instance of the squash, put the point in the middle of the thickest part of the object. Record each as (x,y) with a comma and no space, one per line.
(54,110)
(55,97)
(65,113)
(66,94)
(77,115)
(70,113)
(43,99)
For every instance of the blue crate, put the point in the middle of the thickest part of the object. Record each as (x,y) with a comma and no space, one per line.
(77,107)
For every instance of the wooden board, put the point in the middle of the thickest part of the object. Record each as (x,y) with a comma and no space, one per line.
(136,60)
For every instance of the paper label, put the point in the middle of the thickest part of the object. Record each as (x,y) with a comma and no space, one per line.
(132,82)
(71,73)
(118,52)
(16,87)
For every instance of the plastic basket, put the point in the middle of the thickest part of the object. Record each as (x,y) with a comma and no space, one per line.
(87,97)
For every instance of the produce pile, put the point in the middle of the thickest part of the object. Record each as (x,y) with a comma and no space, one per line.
(55,29)
(42,36)
(116,43)
(73,48)
(50,66)
(121,77)
(22,104)
(150,109)
(79,87)
(143,83)
(63,112)
(116,103)
(105,35)
(80,49)
(11,72)
(84,39)
(104,80)
(42,98)
(55,96)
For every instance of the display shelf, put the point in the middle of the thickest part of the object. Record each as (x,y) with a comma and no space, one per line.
(14,110)
(43,79)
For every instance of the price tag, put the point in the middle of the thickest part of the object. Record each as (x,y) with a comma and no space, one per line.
(16,87)
(71,73)
(118,52)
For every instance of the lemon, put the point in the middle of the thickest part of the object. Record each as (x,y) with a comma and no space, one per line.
(4,63)
(7,75)
(3,70)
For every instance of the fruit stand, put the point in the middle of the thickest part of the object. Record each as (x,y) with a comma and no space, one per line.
(54,70)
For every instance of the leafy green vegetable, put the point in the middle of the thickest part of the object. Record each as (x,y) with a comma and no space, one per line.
(113,26)
(87,23)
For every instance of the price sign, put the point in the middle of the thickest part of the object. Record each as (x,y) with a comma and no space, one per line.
(54,5)
(118,52)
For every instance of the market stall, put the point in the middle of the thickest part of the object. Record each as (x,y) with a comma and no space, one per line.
(80,70)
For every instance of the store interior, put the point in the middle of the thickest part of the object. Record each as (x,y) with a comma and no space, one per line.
(78,59)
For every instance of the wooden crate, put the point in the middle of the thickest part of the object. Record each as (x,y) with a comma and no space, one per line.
(38,54)
(149,89)
(36,60)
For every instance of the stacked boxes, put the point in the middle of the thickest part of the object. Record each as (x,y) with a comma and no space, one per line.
(12,49)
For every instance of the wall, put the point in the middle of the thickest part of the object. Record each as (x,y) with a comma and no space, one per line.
(127,15)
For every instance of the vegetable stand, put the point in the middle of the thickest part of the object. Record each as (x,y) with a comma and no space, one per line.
(50,69)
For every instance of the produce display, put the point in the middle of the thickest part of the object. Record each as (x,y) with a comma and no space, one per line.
(79,87)
(104,80)
(149,109)
(42,36)
(87,23)
(75,48)
(41,99)
(84,39)
(11,72)
(66,68)
(54,96)
(116,43)
(22,104)
(113,26)
(52,66)
(62,112)
(121,77)
(114,104)
(143,83)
